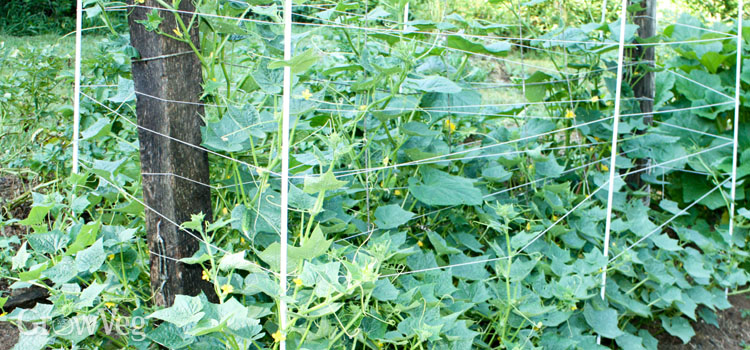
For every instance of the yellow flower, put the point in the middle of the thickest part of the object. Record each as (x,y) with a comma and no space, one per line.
(420,244)
(3,314)
(306,94)
(297,282)
(449,125)
(363,108)
(140,1)
(110,256)
(605,168)
(528,226)
(205,276)
(379,344)
(554,218)
(595,99)
(397,192)
(213,79)
(573,308)
(177,32)
(278,337)
(109,304)
(570,114)
(226,289)
(242,240)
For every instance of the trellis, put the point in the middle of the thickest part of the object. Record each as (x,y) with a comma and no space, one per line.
(284,173)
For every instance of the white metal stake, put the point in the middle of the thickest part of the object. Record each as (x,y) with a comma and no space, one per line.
(736,124)
(77,85)
(615,127)
(406,15)
(285,168)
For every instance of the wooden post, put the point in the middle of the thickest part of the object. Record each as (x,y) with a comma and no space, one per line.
(644,84)
(164,72)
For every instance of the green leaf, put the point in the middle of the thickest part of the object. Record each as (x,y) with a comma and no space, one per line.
(384,290)
(664,242)
(630,342)
(678,327)
(34,339)
(536,92)
(325,182)
(391,216)
(602,319)
(497,48)
(19,260)
(88,295)
(418,129)
(63,271)
(299,63)
(232,133)
(237,261)
(37,215)
(125,91)
(152,22)
(97,130)
(47,242)
(433,84)
(91,258)
(440,188)
(85,237)
(497,174)
(312,247)
(184,311)
(441,247)
(549,168)
(170,336)
(713,60)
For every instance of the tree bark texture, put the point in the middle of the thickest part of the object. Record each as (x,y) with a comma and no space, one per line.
(643,84)
(159,77)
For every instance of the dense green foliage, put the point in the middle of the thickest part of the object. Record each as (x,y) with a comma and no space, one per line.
(512,192)
(34,17)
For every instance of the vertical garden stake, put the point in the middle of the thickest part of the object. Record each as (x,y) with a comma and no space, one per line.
(736,123)
(77,85)
(158,82)
(285,167)
(616,123)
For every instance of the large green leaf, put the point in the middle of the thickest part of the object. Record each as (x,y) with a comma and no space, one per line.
(433,84)
(391,216)
(602,319)
(440,188)
(497,48)
(678,327)
(325,182)
(232,133)
(184,311)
